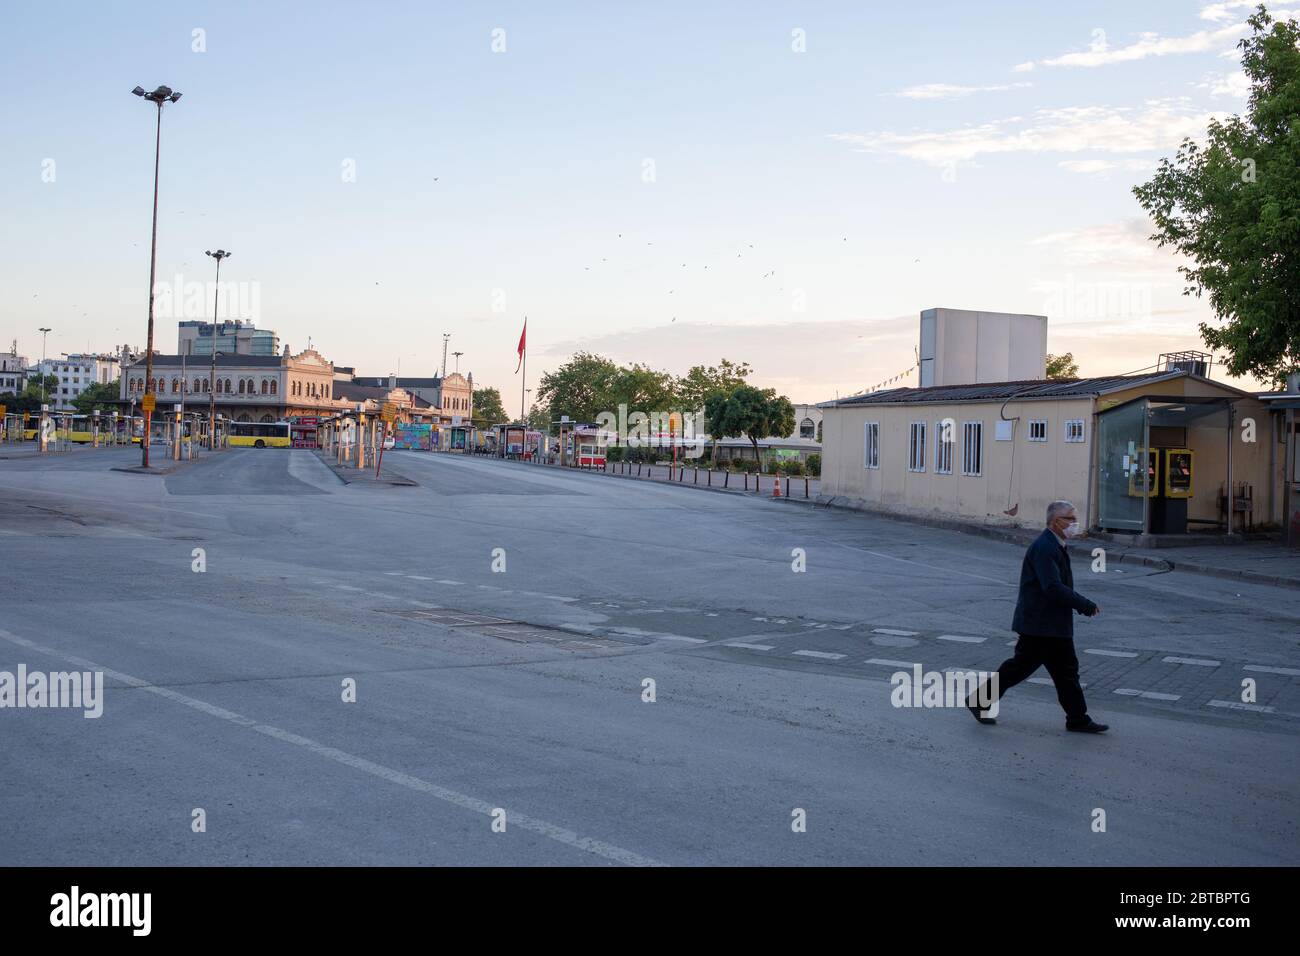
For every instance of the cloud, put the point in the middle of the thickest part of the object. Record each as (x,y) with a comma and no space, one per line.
(1092,166)
(1157,125)
(1226,84)
(1218,12)
(1124,241)
(1026,67)
(1147,45)
(948,91)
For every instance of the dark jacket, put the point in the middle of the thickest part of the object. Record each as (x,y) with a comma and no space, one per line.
(1047,593)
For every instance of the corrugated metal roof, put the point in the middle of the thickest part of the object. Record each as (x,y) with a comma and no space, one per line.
(1001,391)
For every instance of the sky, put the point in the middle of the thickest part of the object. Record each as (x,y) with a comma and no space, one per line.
(787,184)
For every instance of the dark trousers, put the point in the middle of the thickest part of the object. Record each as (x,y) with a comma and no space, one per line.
(1057,655)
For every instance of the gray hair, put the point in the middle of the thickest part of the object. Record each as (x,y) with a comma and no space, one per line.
(1056,509)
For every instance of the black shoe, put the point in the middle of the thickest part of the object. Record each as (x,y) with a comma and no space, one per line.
(980,715)
(1091,727)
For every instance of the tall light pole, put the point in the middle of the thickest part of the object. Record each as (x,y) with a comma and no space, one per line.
(458,355)
(212,379)
(446,336)
(164,94)
(44,334)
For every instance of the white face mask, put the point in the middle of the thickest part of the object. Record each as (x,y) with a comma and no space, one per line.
(1072,530)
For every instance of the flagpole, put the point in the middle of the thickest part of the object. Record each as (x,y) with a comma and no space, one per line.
(523,412)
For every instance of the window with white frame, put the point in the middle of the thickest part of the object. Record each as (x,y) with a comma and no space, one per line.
(871,445)
(972,453)
(1074,430)
(916,447)
(1038,429)
(945,440)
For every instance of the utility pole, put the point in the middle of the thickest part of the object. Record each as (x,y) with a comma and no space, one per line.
(445,337)
(44,333)
(458,355)
(212,377)
(164,94)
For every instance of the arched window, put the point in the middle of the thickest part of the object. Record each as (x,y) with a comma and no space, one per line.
(272,386)
(267,419)
(241,386)
(229,389)
(265,387)
(245,417)
(807,429)
(176,385)
(198,385)
(152,384)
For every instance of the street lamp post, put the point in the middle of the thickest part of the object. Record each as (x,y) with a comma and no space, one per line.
(44,334)
(164,94)
(212,379)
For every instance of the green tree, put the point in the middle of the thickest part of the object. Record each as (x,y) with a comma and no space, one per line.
(488,409)
(29,399)
(701,381)
(1233,209)
(101,395)
(1062,366)
(643,389)
(749,411)
(581,388)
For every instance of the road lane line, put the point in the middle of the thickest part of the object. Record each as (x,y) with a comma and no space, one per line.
(550,830)
(1289,671)
(1238,705)
(962,638)
(884,662)
(1108,653)
(1048,681)
(824,655)
(1200,662)
(750,647)
(449,581)
(893,632)
(1148,694)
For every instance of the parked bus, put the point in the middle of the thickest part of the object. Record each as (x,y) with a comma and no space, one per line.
(259,434)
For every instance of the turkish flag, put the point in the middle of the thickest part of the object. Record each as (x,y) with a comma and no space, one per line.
(522,336)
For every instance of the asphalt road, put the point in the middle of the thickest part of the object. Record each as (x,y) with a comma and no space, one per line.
(517,694)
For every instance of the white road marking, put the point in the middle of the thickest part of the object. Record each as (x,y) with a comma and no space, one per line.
(1290,671)
(486,808)
(892,631)
(821,654)
(395,574)
(962,638)
(1149,694)
(885,662)
(1108,653)
(1191,660)
(1238,705)
(750,647)
(418,577)
(449,581)
(1048,681)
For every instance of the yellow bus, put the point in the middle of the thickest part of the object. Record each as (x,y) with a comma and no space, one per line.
(259,434)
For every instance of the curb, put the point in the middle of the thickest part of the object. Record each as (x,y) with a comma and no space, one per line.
(354,476)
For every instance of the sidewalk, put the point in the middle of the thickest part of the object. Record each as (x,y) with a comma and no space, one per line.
(689,476)
(1260,561)
(351,475)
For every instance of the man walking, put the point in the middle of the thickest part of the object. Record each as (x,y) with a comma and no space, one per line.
(1044,621)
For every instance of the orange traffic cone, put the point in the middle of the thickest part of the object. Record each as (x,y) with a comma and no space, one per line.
(776,487)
